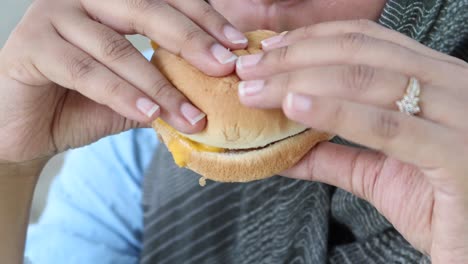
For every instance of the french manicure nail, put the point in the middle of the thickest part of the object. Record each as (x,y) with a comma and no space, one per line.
(299,103)
(147,107)
(249,88)
(235,36)
(248,60)
(191,113)
(273,40)
(223,55)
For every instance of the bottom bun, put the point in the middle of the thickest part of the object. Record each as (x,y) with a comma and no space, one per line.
(244,165)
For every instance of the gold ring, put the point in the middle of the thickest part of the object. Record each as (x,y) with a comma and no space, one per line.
(409,104)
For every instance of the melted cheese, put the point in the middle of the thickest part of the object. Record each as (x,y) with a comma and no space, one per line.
(154,45)
(181,147)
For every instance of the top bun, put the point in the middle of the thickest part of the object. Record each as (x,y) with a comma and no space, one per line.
(230,124)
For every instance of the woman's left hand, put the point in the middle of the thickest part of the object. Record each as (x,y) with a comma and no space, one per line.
(344,78)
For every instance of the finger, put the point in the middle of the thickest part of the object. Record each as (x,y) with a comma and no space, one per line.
(372,176)
(356,83)
(359,84)
(70,67)
(407,138)
(169,28)
(117,53)
(211,21)
(363,26)
(351,169)
(354,49)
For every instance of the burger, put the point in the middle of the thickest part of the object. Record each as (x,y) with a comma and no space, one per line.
(238,144)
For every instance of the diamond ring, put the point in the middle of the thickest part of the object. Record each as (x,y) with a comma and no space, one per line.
(410,102)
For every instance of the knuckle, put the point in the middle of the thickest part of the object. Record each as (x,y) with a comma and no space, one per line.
(114,88)
(286,84)
(386,125)
(362,25)
(356,176)
(310,165)
(21,32)
(364,178)
(371,177)
(80,67)
(208,11)
(282,55)
(22,70)
(192,34)
(307,31)
(212,18)
(464,72)
(140,11)
(352,42)
(333,119)
(28,31)
(160,89)
(143,5)
(358,78)
(115,47)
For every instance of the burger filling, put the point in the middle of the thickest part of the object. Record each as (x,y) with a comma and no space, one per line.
(179,145)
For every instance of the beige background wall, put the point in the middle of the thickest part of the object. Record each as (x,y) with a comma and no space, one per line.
(11,12)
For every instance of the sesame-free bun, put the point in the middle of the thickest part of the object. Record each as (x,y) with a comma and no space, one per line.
(245,133)
(230,124)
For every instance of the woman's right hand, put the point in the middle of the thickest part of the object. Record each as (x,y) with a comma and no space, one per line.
(68,76)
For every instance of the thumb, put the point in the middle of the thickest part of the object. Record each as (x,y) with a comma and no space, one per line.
(359,171)
(398,190)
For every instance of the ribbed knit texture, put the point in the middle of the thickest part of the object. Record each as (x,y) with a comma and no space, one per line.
(279,220)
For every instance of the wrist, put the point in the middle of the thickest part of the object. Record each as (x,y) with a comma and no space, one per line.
(17,183)
(24,169)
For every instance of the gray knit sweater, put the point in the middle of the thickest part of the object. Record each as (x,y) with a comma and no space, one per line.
(279,220)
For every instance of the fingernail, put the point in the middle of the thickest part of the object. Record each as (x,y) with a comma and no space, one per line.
(298,103)
(234,35)
(223,55)
(273,40)
(191,113)
(147,107)
(249,88)
(248,61)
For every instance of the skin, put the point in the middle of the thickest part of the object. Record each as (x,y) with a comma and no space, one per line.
(65,82)
(416,174)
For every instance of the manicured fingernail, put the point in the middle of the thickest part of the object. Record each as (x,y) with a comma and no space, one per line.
(147,107)
(249,88)
(223,55)
(248,61)
(273,40)
(191,113)
(298,103)
(234,35)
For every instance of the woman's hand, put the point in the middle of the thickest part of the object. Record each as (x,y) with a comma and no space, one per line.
(345,77)
(68,76)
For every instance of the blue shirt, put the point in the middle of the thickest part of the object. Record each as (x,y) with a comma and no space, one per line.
(94,212)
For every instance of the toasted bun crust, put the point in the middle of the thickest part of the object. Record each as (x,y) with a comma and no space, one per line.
(248,165)
(229,123)
(233,126)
